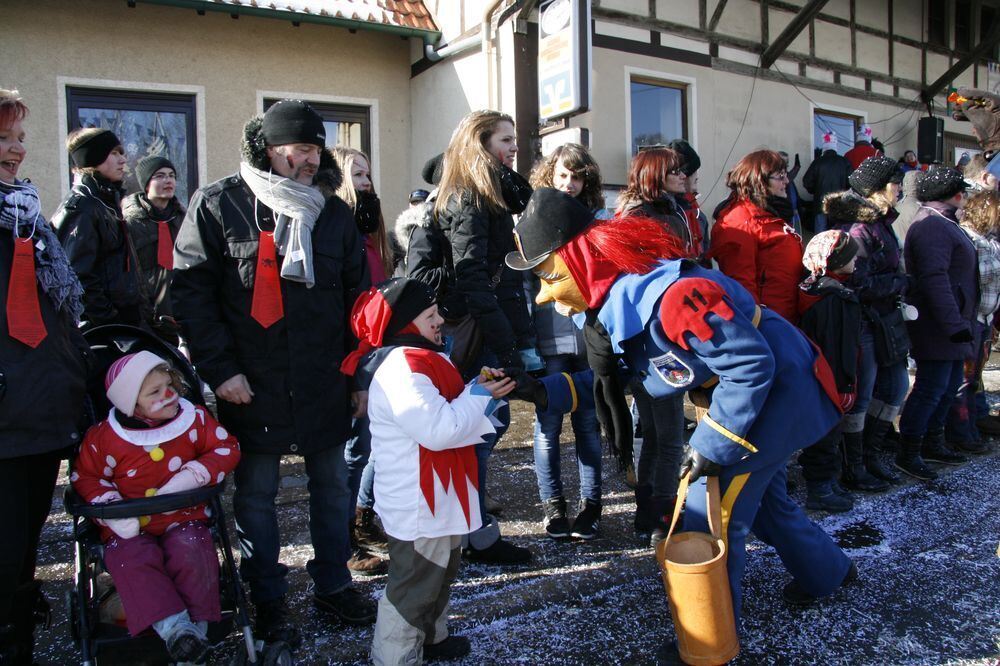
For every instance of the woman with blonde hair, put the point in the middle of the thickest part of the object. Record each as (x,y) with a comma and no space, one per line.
(93,232)
(358,192)
(479,192)
(981,223)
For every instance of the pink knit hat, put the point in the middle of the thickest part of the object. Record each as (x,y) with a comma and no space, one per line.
(125,377)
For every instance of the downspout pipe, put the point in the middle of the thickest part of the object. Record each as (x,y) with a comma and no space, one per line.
(436,54)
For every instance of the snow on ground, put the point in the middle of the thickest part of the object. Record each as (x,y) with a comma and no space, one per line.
(929,591)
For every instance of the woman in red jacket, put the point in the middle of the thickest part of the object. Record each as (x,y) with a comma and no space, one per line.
(753,239)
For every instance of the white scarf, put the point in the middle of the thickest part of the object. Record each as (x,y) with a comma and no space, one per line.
(296,207)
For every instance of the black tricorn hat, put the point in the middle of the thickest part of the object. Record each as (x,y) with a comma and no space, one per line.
(551,219)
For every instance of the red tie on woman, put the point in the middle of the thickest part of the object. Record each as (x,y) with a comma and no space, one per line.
(24,317)
(164,246)
(266,306)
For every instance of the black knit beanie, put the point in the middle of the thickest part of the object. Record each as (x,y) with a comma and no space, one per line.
(692,162)
(874,174)
(941,184)
(94,149)
(432,170)
(407,298)
(147,166)
(293,121)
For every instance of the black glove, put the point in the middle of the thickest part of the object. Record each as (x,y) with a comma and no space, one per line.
(697,464)
(965,335)
(528,388)
(367,211)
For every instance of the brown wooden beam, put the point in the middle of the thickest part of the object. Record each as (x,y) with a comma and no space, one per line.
(716,15)
(791,31)
(989,42)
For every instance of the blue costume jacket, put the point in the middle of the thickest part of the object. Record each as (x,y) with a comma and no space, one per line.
(682,327)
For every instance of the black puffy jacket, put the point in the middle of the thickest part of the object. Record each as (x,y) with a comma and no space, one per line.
(300,403)
(41,388)
(142,220)
(94,235)
(827,173)
(427,257)
(494,295)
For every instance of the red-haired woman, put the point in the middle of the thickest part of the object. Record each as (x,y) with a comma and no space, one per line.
(678,326)
(42,381)
(753,238)
(655,181)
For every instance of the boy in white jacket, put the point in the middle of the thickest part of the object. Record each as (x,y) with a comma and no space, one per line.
(425,423)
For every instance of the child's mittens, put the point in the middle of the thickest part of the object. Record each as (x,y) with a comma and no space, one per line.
(126,528)
(192,475)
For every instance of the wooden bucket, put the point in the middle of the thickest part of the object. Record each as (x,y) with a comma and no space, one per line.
(693,565)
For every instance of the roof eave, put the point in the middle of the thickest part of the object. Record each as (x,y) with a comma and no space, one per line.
(428,36)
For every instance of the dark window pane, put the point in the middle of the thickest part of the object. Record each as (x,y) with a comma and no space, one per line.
(658,113)
(843,126)
(936,22)
(963,25)
(146,124)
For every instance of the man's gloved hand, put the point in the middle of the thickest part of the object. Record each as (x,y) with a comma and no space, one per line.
(697,464)
(528,389)
(965,335)
(982,109)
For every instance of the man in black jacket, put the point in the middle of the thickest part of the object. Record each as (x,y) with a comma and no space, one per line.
(270,344)
(828,173)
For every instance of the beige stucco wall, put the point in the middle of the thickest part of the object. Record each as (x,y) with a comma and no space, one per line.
(230,60)
(779,117)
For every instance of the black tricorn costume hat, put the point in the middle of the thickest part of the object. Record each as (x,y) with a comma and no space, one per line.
(551,219)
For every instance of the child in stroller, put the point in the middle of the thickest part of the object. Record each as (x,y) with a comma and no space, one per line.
(154,442)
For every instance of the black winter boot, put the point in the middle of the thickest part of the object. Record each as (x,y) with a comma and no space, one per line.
(934,449)
(908,459)
(855,476)
(823,497)
(662,512)
(556,524)
(586,522)
(874,434)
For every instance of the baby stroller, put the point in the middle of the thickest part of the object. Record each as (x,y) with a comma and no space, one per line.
(102,639)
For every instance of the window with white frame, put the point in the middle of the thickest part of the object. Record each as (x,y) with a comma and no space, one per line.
(346,124)
(659,112)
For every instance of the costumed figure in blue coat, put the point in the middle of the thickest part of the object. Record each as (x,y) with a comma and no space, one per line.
(680,327)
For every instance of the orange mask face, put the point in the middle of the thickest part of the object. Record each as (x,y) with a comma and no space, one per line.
(559,286)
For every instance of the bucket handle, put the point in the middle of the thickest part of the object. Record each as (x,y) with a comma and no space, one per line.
(714,505)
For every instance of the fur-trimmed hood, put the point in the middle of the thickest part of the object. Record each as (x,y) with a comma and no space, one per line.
(413,217)
(254,152)
(849,207)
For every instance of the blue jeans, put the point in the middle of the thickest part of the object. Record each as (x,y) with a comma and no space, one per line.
(548,427)
(257,480)
(360,470)
(485,448)
(881,389)
(934,389)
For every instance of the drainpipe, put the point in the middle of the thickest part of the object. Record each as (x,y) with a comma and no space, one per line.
(485,34)
(436,54)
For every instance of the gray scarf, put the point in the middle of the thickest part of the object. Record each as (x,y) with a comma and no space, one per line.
(296,207)
(19,206)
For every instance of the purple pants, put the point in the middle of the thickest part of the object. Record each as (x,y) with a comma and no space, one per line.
(158,576)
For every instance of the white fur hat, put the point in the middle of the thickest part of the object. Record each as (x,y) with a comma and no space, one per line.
(864,134)
(829,141)
(125,377)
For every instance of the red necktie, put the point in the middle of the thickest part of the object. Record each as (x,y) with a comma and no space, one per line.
(266,306)
(164,246)
(24,317)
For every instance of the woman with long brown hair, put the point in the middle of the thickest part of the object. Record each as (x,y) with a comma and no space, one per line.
(655,181)
(358,192)
(753,238)
(479,191)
